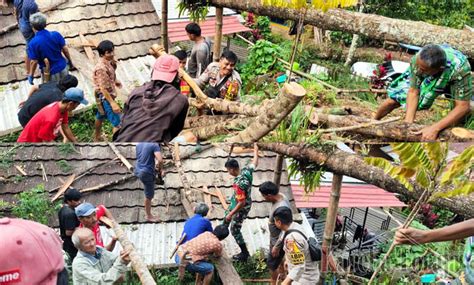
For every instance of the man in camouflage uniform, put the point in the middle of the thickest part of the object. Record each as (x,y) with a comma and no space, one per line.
(241,200)
(435,70)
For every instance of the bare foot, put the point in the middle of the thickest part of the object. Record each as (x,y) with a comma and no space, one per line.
(153,219)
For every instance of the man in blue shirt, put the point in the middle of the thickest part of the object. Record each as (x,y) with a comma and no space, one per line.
(197,224)
(47,45)
(23,10)
(149,160)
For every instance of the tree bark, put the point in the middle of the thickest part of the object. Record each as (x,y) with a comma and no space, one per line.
(370,25)
(137,262)
(204,120)
(394,131)
(343,163)
(266,121)
(186,189)
(207,132)
(355,41)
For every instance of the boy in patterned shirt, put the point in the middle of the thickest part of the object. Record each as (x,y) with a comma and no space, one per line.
(241,200)
(435,70)
(105,84)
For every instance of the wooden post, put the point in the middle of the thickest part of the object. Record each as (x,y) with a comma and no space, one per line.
(137,262)
(218,37)
(164,24)
(277,171)
(330,221)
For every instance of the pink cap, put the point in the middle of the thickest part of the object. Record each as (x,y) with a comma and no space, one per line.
(30,253)
(165,68)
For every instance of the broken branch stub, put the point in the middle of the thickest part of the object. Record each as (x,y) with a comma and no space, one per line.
(290,95)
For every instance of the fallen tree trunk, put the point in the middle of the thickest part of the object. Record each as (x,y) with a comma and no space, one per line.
(137,262)
(207,132)
(370,25)
(204,120)
(289,96)
(344,163)
(390,131)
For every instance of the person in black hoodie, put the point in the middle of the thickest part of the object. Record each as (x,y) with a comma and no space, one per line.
(155,111)
(43,95)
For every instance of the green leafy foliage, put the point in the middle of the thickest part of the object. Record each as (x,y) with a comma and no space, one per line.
(82,126)
(64,166)
(426,162)
(6,157)
(197,9)
(35,205)
(407,263)
(261,60)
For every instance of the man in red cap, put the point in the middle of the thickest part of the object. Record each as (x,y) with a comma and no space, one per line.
(155,111)
(30,253)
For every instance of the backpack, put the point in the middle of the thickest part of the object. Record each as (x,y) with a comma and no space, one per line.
(314,248)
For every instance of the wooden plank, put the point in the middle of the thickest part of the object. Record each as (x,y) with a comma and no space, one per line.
(20,170)
(87,49)
(222,198)
(121,157)
(207,199)
(63,188)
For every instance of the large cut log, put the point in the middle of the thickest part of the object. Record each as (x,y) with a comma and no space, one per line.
(390,131)
(289,96)
(370,25)
(137,261)
(344,163)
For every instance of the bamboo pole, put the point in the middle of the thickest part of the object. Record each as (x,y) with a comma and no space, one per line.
(136,259)
(164,25)
(277,171)
(330,221)
(218,37)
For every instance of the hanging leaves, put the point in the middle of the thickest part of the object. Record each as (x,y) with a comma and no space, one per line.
(197,9)
(317,4)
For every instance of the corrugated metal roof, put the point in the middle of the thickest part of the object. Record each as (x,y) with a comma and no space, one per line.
(155,242)
(352,195)
(230,25)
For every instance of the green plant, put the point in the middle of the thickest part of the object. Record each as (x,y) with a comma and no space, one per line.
(261,60)
(6,157)
(34,204)
(197,9)
(67,148)
(82,125)
(64,166)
